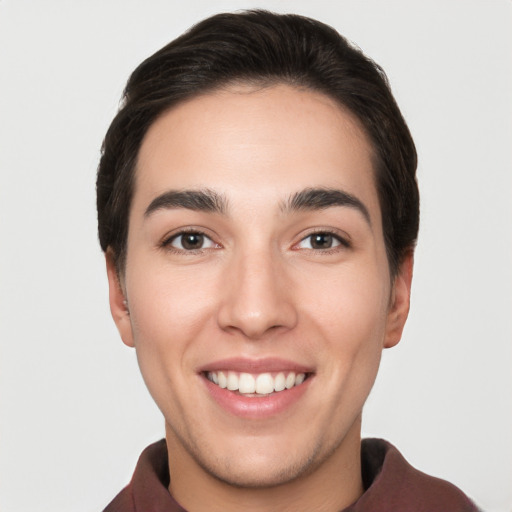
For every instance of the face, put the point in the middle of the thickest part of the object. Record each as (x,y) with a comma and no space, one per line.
(257,283)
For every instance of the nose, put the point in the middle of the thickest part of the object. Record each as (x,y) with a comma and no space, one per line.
(257,296)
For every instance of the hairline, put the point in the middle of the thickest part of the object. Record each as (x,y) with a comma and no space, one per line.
(258,83)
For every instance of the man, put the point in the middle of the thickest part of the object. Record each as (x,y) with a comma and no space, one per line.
(258,209)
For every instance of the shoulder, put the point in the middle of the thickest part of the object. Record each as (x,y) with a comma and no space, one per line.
(392,484)
(148,487)
(123,502)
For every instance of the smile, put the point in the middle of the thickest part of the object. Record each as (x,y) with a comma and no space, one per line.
(254,385)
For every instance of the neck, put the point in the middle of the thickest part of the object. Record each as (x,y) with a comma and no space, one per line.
(332,485)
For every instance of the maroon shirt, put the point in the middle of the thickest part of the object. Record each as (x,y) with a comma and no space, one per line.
(391,485)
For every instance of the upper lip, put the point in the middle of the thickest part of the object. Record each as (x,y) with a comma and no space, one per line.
(261,365)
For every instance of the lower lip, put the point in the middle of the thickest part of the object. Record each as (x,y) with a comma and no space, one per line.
(256,407)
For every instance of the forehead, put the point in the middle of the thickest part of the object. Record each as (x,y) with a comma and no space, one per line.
(256,144)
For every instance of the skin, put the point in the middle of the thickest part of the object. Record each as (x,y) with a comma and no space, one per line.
(259,289)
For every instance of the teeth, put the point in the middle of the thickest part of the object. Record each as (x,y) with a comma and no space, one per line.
(290,381)
(280,382)
(261,384)
(299,379)
(246,383)
(223,381)
(232,381)
(264,384)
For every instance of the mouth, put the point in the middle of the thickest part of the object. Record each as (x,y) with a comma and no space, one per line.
(254,385)
(257,389)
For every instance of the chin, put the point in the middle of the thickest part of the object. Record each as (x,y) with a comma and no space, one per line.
(259,463)
(248,474)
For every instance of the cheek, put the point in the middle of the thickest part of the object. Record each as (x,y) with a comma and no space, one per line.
(350,313)
(168,311)
(168,304)
(349,299)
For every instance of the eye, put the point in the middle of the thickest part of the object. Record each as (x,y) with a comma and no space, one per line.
(321,241)
(190,241)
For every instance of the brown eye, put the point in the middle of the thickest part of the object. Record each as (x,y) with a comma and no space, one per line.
(191,241)
(321,241)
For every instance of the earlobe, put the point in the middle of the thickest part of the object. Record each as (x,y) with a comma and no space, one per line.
(118,303)
(400,301)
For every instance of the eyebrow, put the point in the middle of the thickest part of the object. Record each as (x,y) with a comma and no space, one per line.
(204,200)
(322,198)
(207,200)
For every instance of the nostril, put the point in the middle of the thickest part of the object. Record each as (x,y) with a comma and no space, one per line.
(257,324)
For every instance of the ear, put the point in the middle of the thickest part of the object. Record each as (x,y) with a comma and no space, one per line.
(400,301)
(117,299)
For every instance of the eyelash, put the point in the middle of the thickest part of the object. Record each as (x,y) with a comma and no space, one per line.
(342,242)
(167,242)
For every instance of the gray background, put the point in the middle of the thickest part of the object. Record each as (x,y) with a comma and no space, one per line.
(74,411)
